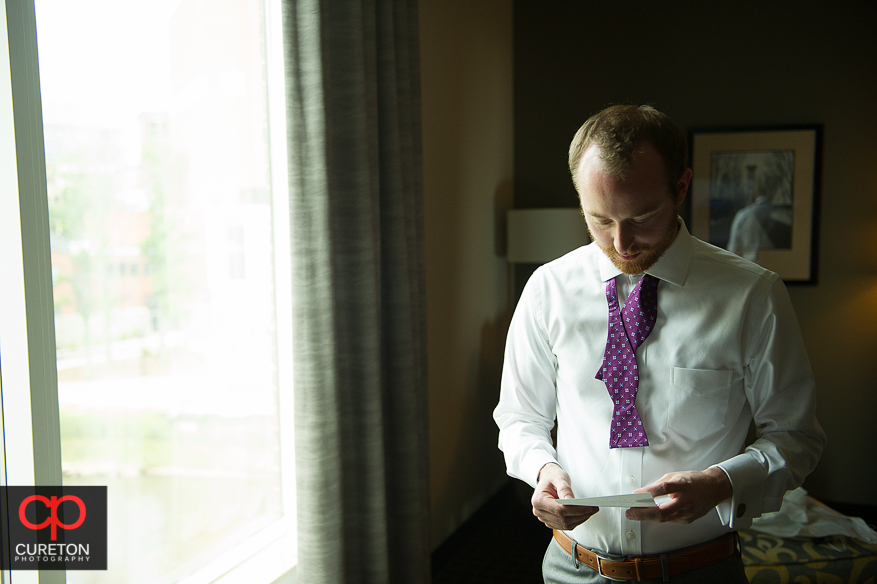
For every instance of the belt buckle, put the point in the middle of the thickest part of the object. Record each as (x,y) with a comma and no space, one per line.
(612,558)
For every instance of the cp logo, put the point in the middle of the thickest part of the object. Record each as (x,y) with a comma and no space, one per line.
(53,521)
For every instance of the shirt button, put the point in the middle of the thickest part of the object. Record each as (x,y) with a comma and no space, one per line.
(631,480)
(631,535)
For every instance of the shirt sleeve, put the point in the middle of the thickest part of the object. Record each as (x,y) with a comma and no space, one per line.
(780,389)
(527,404)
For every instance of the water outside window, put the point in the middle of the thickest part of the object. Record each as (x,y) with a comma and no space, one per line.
(158,167)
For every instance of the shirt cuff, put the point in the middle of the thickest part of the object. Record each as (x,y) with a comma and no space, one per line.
(747,478)
(533,463)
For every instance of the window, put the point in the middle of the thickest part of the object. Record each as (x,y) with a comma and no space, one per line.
(166,184)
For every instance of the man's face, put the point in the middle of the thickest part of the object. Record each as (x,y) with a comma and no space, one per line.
(633,220)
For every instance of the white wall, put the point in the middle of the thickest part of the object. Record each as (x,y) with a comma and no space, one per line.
(466,56)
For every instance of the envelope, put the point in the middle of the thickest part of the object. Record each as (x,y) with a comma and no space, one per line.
(633,500)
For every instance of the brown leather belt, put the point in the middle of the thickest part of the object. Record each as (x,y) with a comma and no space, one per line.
(652,567)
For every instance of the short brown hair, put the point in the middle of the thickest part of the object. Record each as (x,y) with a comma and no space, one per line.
(619,130)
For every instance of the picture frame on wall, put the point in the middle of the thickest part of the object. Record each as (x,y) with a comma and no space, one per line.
(755,192)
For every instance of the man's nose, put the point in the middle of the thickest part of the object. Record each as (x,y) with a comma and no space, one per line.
(623,239)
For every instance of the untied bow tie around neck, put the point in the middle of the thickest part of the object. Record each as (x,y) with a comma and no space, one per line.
(628,329)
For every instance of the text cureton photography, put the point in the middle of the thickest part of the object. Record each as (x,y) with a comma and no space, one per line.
(52,552)
(54,528)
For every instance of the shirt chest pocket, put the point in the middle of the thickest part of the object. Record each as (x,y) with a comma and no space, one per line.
(699,403)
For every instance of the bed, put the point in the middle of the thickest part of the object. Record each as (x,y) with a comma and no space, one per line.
(807,542)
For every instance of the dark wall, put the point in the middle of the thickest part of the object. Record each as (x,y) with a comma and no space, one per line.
(711,64)
(703,63)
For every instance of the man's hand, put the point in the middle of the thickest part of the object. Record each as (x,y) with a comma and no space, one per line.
(692,495)
(554,484)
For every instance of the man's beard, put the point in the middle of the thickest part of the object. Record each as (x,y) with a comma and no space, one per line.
(647,257)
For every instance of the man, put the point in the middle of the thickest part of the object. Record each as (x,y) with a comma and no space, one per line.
(761,224)
(652,400)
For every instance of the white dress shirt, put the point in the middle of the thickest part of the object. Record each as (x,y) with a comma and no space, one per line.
(748,234)
(726,348)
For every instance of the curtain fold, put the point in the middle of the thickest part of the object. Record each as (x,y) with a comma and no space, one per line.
(353,89)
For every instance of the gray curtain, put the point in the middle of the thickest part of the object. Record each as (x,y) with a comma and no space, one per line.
(353,89)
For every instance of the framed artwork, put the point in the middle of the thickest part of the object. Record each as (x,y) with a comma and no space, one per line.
(755,192)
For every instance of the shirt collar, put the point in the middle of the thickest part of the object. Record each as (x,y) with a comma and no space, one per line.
(672,267)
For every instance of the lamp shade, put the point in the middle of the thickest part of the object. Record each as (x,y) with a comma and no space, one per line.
(536,236)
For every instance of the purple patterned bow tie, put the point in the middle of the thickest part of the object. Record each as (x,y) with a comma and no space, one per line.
(627,330)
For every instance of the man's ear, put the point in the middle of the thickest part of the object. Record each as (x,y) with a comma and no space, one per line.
(682,186)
